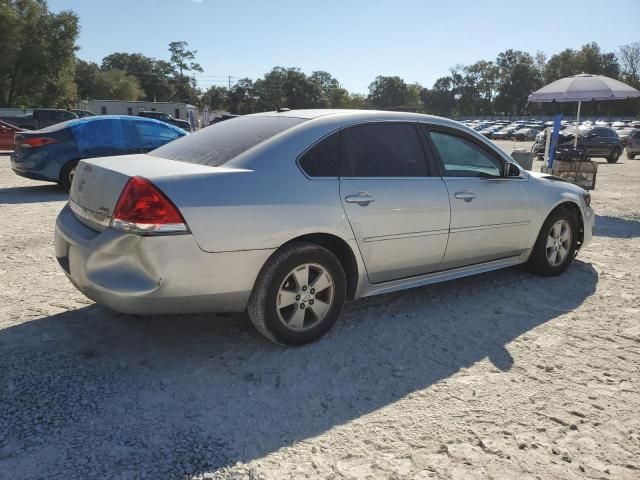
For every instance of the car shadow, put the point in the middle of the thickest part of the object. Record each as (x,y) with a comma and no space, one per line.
(210,391)
(614,227)
(34,194)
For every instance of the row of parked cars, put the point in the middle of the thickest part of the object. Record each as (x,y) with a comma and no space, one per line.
(505,130)
(529,129)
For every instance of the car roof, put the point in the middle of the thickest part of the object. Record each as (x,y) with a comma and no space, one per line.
(343,116)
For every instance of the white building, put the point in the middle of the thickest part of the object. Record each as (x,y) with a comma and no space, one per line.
(123,107)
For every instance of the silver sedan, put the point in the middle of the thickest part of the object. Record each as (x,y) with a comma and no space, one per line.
(289,214)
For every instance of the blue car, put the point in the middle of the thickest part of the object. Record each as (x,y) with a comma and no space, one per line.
(52,153)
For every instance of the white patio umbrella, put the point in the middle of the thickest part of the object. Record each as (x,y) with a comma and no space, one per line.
(583,88)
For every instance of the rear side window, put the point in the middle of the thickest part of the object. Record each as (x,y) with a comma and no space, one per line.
(383,150)
(219,143)
(323,159)
(153,135)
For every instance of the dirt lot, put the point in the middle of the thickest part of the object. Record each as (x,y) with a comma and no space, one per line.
(504,375)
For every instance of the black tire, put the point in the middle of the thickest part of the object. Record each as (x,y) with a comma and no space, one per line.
(614,156)
(66,174)
(539,262)
(262,307)
(630,156)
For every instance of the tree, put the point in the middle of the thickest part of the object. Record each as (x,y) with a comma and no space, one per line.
(85,77)
(183,60)
(629,60)
(38,54)
(517,77)
(388,93)
(439,100)
(154,76)
(241,97)
(217,98)
(332,94)
(116,85)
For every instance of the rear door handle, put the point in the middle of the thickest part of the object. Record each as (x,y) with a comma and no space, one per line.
(361,198)
(466,195)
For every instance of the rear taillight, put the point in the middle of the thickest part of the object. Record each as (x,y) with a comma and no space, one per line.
(35,142)
(145,210)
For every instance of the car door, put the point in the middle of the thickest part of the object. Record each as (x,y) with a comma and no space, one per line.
(399,213)
(490,214)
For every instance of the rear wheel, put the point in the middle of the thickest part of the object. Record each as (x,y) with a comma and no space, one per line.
(614,156)
(67,173)
(630,156)
(555,247)
(298,295)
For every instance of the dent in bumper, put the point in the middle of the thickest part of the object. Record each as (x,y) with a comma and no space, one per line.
(154,275)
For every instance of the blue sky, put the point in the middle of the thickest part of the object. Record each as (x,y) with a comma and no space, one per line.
(355,40)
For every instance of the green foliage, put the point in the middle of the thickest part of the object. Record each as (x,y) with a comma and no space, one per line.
(154,76)
(111,84)
(38,48)
(117,85)
(217,98)
(388,93)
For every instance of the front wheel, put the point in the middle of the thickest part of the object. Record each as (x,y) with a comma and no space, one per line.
(555,247)
(299,294)
(614,156)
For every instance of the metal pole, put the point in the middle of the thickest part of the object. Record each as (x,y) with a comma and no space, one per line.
(575,139)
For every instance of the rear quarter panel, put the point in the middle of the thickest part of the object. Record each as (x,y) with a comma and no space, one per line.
(265,204)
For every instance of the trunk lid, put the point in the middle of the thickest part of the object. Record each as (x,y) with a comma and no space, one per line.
(98,182)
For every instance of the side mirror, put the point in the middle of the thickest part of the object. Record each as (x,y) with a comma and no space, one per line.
(511,170)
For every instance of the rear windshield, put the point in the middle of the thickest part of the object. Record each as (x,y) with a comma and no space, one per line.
(217,144)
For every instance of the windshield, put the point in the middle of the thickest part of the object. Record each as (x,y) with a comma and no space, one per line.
(217,144)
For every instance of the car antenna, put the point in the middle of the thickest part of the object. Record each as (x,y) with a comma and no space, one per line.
(281,109)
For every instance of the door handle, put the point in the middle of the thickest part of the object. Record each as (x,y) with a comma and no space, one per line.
(466,195)
(361,198)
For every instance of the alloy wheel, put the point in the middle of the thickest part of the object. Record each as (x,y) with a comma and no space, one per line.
(558,242)
(305,297)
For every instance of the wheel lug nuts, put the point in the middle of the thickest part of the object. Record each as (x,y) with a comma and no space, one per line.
(313,290)
(297,297)
(304,289)
(302,305)
(310,302)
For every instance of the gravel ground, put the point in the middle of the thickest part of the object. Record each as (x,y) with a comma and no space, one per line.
(503,375)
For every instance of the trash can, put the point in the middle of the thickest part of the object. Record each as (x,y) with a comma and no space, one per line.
(524,157)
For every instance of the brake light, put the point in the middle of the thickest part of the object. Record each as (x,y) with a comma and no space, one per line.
(145,210)
(35,142)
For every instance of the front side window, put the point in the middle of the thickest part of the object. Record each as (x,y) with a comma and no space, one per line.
(383,150)
(323,159)
(462,158)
